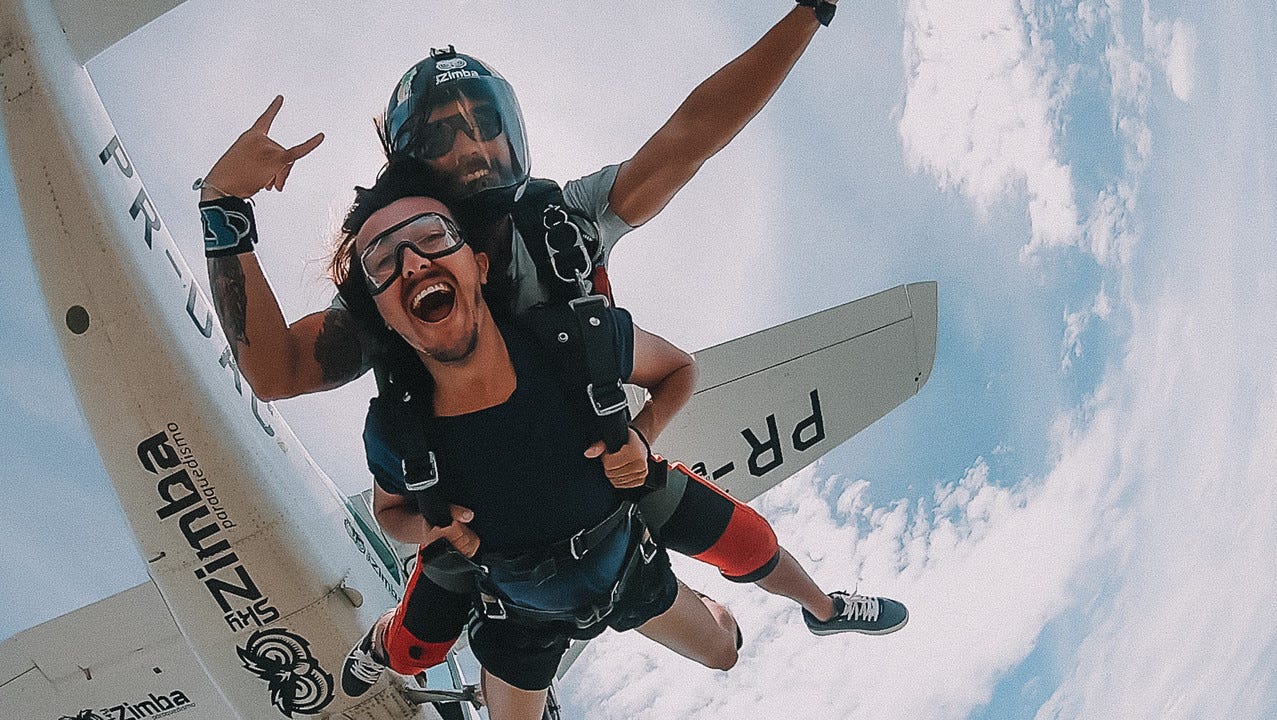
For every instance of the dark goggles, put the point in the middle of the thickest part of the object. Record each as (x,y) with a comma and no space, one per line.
(430,235)
(436,138)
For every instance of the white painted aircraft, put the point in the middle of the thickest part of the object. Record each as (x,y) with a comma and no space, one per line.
(262,575)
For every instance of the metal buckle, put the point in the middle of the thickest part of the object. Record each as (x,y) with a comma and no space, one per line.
(428,482)
(572,548)
(614,408)
(493,608)
(647,546)
(596,614)
(550,224)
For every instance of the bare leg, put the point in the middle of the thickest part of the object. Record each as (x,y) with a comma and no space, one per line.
(696,628)
(507,702)
(790,580)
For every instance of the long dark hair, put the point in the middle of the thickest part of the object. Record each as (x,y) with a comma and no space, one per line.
(405,177)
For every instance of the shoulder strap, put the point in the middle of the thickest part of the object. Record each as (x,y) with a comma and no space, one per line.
(400,434)
(562,241)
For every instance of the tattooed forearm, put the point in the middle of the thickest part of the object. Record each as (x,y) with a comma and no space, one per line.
(230,299)
(337,348)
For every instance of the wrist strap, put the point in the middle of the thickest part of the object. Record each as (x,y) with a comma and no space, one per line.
(646,444)
(228,226)
(824,10)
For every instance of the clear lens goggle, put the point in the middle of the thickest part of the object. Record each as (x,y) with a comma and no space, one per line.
(429,235)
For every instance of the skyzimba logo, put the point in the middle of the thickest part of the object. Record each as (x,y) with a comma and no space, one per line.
(189,496)
(154,706)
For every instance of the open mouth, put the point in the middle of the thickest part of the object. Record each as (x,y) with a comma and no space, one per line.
(474,176)
(433,302)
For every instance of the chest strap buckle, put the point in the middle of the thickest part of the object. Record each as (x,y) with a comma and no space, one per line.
(431,477)
(493,608)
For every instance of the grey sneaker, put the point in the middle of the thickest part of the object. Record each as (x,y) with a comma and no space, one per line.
(857,613)
(361,670)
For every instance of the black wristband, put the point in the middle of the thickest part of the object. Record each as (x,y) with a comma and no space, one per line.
(646,444)
(229,228)
(824,10)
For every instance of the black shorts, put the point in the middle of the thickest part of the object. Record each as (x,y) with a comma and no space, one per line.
(526,654)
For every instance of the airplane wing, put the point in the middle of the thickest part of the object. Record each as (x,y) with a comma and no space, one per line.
(768,404)
(92,26)
(119,657)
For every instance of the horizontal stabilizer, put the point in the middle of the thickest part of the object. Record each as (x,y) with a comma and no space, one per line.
(123,654)
(768,404)
(92,26)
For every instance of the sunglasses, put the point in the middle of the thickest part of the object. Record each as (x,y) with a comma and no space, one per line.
(437,138)
(429,234)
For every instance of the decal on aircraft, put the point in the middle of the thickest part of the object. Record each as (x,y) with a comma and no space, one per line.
(228,581)
(380,557)
(151,225)
(768,454)
(283,660)
(165,704)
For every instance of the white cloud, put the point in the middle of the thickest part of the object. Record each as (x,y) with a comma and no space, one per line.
(1173,45)
(1185,628)
(982,567)
(1190,553)
(1110,232)
(979,113)
(1076,323)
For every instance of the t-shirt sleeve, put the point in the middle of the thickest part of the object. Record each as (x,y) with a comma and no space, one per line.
(385,465)
(369,345)
(624,338)
(590,195)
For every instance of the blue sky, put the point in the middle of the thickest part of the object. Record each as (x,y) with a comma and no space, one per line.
(1078,506)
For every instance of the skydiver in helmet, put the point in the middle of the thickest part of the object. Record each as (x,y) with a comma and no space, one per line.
(451,98)
(453,123)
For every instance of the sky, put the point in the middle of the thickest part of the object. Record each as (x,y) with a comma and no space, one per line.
(1080,506)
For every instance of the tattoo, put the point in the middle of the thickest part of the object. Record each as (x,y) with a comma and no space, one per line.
(230,299)
(337,347)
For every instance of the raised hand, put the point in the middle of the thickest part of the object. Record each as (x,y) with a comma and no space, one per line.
(255,161)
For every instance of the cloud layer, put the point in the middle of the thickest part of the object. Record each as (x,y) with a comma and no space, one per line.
(980,109)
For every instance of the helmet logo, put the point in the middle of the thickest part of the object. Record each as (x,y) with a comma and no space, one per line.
(450,64)
(405,87)
(444,77)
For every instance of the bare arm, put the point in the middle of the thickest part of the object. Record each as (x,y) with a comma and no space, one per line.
(318,352)
(400,519)
(669,375)
(708,119)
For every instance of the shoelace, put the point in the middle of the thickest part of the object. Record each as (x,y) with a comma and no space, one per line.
(366,668)
(859,607)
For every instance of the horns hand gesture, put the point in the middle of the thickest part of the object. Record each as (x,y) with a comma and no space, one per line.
(255,161)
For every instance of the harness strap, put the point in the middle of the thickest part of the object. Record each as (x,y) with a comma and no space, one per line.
(602,368)
(494,607)
(449,569)
(563,243)
(658,505)
(456,573)
(539,566)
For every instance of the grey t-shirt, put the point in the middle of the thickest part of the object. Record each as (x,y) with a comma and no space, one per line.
(587,195)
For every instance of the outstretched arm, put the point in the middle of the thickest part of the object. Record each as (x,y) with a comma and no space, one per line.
(318,352)
(708,119)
